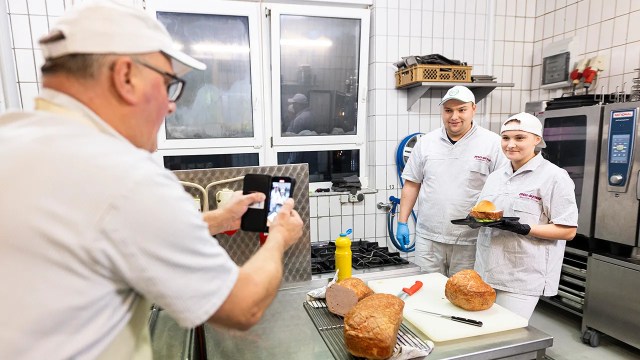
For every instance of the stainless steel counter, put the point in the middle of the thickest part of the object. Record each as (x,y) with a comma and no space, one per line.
(286,332)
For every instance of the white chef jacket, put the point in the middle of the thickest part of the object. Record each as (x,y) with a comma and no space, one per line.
(538,193)
(89,225)
(451,178)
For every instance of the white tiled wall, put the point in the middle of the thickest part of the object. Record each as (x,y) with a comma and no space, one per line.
(458,29)
(514,28)
(28,21)
(600,27)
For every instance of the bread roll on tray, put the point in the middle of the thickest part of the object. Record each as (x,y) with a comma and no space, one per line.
(485,211)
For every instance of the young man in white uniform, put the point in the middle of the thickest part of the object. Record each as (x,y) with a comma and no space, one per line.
(445,173)
(92,229)
(522,259)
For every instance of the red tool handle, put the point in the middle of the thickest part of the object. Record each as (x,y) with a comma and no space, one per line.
(263,238)
(415,287)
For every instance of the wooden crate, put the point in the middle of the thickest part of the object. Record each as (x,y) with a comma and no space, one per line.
(432,73)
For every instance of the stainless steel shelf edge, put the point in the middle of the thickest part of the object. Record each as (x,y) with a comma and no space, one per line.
(479,89)
(560,305)
(576,251)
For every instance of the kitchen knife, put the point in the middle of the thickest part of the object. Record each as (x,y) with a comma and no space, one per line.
(410,291)
(454,318)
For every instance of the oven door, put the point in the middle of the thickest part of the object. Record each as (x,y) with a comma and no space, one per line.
(572,144)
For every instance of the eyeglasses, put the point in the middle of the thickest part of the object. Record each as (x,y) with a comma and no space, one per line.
(174,85)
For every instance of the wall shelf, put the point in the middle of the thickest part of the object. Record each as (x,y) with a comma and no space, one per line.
(479,89)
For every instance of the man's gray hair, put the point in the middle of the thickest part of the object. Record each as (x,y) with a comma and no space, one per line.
(81,66)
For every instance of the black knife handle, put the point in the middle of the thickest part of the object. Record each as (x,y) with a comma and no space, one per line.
(467,321)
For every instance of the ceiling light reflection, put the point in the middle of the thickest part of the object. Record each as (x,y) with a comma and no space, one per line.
(217,48)
(302,42)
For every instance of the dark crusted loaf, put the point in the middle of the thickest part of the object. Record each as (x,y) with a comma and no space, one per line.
(371,327)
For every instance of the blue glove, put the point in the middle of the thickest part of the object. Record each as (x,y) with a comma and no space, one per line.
(402,234)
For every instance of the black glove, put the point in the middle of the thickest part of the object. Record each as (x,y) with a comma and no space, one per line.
(511,225)
(472,223)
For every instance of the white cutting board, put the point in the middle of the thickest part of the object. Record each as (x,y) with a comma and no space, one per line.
(431,298)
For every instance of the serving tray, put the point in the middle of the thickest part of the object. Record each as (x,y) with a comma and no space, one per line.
(475,223)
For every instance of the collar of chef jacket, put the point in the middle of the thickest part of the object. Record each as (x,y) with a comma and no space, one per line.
(445,137)
(531,165)
(60,103)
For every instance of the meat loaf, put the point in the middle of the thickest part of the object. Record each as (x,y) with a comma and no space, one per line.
(371,327)
(344,295)
(467,290)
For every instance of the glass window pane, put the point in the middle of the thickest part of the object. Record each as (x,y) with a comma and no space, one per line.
(190,162)
(319,59)
(216,102)
(325,165)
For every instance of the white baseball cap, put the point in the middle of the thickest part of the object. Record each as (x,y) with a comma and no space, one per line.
(459,92)
(526,122)
(299,98)
(110,27)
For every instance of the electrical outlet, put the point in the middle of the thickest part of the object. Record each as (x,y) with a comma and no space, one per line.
(223,196)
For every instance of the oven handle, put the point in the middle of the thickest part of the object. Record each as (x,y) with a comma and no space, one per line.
(638,186)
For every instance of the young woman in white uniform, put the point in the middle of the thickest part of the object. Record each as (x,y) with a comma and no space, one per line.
(522,259)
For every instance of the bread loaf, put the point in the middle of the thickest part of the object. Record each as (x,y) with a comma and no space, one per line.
(467,290)
(344,295)
(485,210)
(371,327)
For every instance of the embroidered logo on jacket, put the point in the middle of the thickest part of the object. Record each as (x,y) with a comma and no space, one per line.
(482,158)
(530,197)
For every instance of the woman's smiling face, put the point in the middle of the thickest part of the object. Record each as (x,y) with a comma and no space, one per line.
(519,146)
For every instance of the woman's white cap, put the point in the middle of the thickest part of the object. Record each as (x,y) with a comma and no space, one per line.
(110,27)
(526,122)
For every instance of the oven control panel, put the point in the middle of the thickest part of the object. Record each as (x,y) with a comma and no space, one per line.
(622,128)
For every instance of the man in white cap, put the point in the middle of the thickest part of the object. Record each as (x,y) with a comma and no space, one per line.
(522,259)
(303,119)
(446,172)
(92,230)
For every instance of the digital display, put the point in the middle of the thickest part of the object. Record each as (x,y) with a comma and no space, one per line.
(620,148)
(280,191)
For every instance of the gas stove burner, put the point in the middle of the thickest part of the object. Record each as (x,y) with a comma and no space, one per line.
(322,265)
(366,262)
(366,255)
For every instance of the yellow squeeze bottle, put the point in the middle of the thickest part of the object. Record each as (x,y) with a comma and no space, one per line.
(343,255)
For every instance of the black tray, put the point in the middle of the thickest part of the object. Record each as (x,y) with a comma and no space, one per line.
(471,221)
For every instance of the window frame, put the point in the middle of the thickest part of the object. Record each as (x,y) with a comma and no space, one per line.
(267,141)
(318,11)
(159,155)
(230,8)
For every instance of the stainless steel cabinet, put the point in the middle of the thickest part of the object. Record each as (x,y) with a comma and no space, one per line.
(611,304)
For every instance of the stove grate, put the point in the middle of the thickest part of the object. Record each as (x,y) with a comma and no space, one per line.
(366,255)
